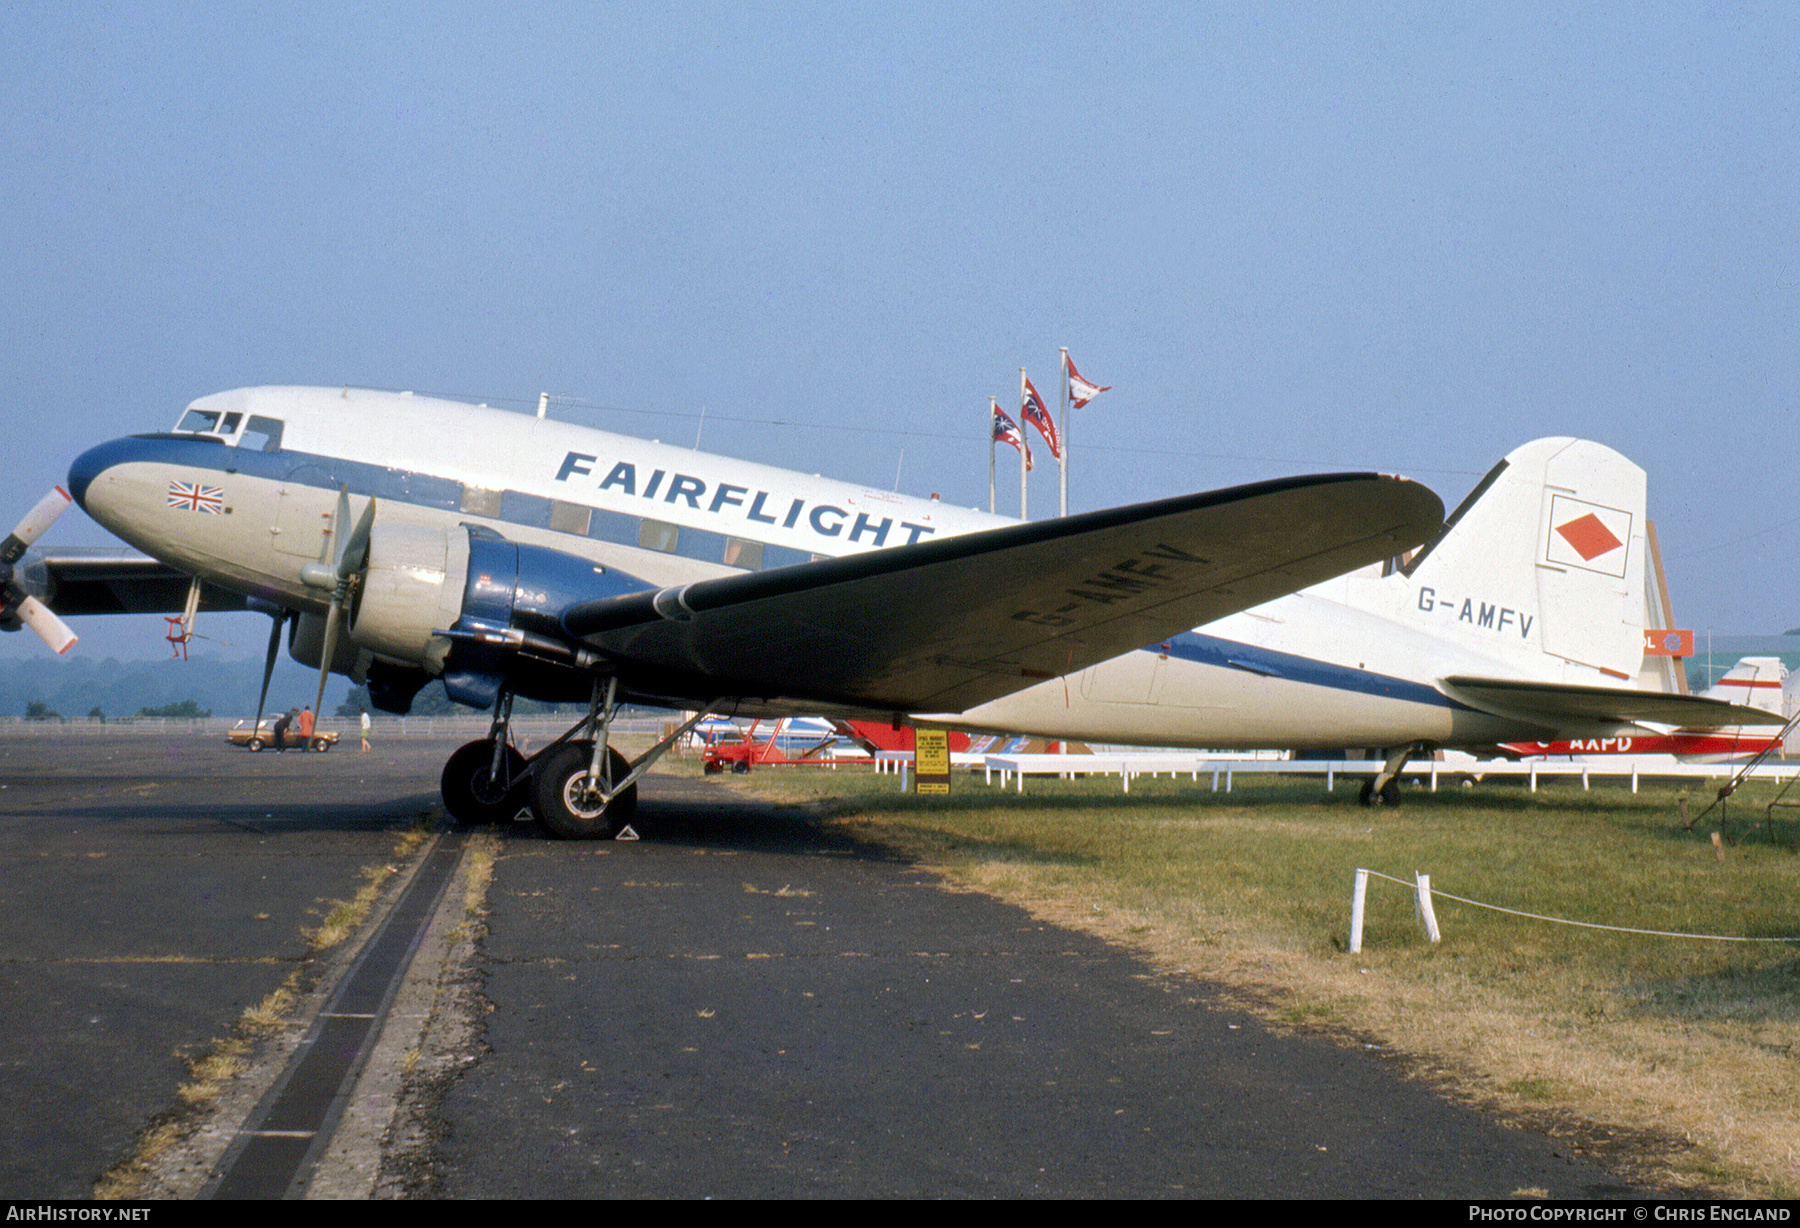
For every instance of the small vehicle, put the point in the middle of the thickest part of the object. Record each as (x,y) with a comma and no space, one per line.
(263,735)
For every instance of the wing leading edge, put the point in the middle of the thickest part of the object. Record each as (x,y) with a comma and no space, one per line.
(944,625)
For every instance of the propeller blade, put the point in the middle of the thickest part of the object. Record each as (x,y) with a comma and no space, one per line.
(41,619)
(356,547)
(32,527)
(349,552)
(339,519)
(269,668)
(333,617)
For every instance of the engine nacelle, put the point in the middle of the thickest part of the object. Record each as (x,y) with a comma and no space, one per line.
(498,597)
(414,585)
(306,644)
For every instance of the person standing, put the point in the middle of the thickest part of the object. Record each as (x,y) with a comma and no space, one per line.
(365,731)
(306,727)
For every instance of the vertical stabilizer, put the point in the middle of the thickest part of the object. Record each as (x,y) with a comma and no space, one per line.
(1547,557)
(1755,682)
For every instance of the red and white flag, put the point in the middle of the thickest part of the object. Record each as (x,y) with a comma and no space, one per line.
(1080,390)
(1031,408)
(1007,431)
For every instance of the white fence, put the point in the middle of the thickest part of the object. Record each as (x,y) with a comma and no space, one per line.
(1012,769)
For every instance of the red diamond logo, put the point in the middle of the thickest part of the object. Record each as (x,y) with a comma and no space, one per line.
(1590,538)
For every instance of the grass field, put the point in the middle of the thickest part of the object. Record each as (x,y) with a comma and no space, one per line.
(1674,1056)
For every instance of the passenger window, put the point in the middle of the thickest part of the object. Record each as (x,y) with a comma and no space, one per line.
(479,501)
(655,535)
(570,518)
(742,553)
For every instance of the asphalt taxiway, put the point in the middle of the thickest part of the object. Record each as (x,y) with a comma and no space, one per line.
(744,1003)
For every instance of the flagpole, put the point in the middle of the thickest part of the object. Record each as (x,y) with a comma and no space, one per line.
(1022,515)
(993,418)
(1062,462)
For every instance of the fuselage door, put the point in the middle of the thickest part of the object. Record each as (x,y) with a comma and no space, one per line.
(303,520)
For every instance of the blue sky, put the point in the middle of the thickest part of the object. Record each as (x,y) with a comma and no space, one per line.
(1371,237)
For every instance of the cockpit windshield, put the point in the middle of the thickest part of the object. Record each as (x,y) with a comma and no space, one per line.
(259,434)
(206,422)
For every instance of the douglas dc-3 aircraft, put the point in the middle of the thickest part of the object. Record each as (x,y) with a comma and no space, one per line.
(404,538)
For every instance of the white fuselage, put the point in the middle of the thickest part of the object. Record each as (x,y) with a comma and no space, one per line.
(243,493)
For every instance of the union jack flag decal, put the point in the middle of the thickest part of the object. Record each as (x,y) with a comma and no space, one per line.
(193,497)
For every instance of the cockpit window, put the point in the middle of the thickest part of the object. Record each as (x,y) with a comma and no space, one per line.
(262,434)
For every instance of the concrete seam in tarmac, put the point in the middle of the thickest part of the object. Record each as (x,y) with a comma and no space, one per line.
(428,1025)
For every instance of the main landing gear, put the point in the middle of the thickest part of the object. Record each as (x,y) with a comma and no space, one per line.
(578,788)
(476,790)
(569,803)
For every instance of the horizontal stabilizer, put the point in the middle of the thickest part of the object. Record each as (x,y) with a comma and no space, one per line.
(944,625)
(1557,705)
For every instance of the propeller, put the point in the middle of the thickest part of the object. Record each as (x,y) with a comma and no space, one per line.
(352,558)
(280,618)
(18,603)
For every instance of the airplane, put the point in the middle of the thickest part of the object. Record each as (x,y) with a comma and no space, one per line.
(1758,682)
(400,538)
(1526,612)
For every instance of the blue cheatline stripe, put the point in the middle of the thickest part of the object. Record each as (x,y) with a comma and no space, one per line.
(1228,654)
(390,485)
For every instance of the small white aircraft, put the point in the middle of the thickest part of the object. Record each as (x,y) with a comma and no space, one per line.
(404,538)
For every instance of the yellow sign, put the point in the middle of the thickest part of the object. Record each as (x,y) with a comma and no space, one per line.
(931,761)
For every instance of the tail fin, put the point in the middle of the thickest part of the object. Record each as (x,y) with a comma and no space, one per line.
(1755,682)
(1543,564)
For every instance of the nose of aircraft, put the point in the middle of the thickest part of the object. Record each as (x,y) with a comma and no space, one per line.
(96,461)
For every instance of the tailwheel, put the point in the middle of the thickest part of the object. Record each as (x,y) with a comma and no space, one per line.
(472,795)
(562,803)
(1387,795)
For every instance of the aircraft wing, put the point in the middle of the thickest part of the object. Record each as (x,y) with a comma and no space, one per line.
(1558,705)
(944,625)
(103,580)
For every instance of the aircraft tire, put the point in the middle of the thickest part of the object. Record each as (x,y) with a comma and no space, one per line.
(1389,795)
(556,800)
(469,792)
